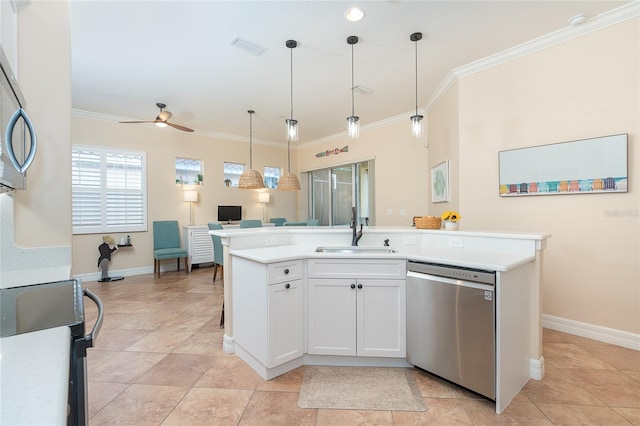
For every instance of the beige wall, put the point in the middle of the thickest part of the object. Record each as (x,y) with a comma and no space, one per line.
(42,213)
(443,136)
(165,200)
(583,88)
(401,173)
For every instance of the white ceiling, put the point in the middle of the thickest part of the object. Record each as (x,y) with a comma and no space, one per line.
(128,55)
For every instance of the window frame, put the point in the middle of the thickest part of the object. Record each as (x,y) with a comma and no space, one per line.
(138,191)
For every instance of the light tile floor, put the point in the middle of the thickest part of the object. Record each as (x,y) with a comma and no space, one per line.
(159,360)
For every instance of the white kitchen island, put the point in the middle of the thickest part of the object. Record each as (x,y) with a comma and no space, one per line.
(273,318)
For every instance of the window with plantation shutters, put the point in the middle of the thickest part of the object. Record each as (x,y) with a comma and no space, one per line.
(108,190)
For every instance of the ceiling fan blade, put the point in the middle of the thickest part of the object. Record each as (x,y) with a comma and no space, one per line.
(145,121)
(179,127)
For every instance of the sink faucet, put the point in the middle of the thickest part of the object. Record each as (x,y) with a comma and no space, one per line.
(354,224)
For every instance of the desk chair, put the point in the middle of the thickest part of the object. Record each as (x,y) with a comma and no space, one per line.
(279,221)
(166,244)
(218,259)
(251,223)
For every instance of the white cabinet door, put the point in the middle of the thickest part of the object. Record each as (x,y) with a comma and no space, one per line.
(366,320)
(286,322)
(381,325)
(199,244)
(331,316)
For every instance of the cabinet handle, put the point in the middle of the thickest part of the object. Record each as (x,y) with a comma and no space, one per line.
(286,272)
(359,285)
(353,286)
(287,285)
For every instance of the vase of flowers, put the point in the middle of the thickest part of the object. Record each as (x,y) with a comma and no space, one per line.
(450,219)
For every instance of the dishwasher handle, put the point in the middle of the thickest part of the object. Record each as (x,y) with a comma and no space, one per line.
(451,281)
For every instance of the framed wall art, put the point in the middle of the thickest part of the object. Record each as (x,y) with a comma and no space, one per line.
(587,166)
(440,182)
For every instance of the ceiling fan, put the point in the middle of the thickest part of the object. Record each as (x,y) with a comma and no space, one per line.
(162,119)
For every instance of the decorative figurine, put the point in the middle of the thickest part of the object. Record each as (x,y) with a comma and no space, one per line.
(105,257)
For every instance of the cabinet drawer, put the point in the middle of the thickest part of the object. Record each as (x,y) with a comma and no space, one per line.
(284,271)
(357,268)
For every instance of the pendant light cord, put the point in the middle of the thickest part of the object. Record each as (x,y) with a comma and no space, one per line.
(251,140)
(416,45)
(291,51)
(353,108)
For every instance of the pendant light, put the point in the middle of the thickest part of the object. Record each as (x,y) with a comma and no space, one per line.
(288,181)
(292,125)
(353,125)
(416,120)
(251,179)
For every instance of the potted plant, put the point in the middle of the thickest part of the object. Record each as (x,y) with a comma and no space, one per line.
(227,182)
(451,219)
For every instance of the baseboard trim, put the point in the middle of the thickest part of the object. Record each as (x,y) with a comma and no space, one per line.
(536,368)
(95,276)
(591,331)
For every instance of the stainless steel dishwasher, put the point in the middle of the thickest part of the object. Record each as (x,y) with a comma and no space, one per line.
(451,324)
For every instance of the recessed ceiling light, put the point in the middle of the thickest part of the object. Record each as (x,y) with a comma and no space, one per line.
(354,14)
(578,20)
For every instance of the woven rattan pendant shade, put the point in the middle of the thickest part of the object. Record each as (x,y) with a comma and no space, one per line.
(251,179)
(289,182)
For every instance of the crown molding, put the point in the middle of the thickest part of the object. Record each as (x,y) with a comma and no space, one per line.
(606,19)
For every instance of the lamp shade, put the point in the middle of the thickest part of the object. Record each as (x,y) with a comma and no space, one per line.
(190,196)
(264,197)
(288,182)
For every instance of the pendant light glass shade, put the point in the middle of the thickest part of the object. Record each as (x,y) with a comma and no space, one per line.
(251,179)
(292,125)
(353,122)
(416,125)
(416,120)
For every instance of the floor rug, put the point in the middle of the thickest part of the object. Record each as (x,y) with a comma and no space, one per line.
(360,388)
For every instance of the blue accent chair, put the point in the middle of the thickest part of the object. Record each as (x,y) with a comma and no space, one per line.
(279,221)
(251,223)
(295,224)
(313,222)
(218,257)
(166,244)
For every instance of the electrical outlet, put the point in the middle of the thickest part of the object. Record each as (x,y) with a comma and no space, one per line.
(456,242)
(271,241)
(409,240)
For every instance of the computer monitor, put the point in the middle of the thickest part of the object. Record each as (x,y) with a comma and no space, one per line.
(229,213)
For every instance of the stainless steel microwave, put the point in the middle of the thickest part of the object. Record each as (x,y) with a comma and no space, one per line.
(18,138)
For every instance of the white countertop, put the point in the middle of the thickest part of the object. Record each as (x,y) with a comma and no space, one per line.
(479,259)
(34,371)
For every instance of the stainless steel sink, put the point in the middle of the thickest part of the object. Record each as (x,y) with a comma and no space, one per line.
(355,250)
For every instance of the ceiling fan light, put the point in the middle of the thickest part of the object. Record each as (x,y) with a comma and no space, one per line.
(161,124)
(353,126)
(251,179)
(288,182)
(416,125)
